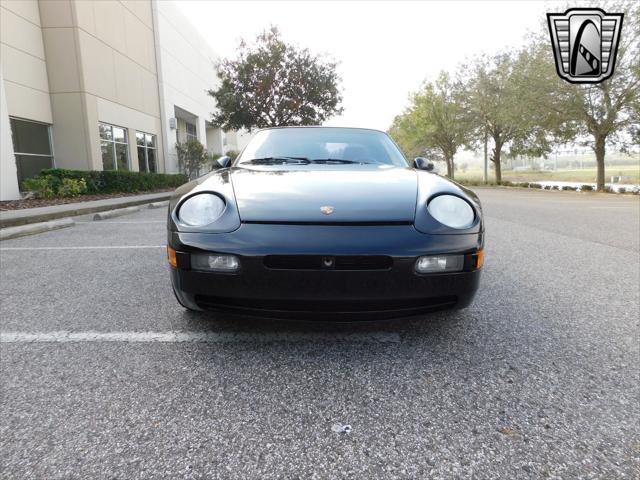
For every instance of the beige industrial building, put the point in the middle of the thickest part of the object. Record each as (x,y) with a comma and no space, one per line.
(101,84)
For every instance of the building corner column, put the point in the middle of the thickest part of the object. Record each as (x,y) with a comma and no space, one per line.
(9,188)
(167,166)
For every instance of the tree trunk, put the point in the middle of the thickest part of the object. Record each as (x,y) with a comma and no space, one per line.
(449,167)
(496,160)
(600,151)
(485,175)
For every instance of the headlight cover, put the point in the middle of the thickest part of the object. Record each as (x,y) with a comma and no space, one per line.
(201,209)
(452,211)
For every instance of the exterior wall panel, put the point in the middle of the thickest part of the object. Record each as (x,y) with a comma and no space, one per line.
(23,61)
(109,25)
(114,64)
(98,66)
(75,63)
(83,15)
(8,171)
(21,33)
(27,9)
(27,103)
(142,10)
(188,71)
(24,69)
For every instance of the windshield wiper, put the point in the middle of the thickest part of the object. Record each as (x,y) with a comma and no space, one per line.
(278,161)
(338,160)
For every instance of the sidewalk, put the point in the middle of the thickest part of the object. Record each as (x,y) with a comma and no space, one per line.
(25,216)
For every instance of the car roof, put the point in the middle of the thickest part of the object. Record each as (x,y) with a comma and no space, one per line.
(291,127)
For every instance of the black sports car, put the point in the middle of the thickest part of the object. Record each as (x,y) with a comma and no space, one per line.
(325,222)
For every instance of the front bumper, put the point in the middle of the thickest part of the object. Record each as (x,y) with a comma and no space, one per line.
(259,290)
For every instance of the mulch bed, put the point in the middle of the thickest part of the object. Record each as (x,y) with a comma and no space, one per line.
(46,202)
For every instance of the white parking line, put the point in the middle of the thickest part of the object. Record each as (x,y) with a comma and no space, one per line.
(105,247)
(196,337)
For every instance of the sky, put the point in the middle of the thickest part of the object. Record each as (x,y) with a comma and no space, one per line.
(385,49)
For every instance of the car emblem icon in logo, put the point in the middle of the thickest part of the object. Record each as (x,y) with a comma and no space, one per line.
(327,210)
(585,43)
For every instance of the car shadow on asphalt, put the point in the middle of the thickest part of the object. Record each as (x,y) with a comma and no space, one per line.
(433,324)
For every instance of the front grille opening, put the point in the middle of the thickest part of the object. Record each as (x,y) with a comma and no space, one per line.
(328,262)
(282,307)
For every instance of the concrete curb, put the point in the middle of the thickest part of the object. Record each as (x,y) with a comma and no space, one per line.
(159,204)
(12,218)
(115,213)
(33,228)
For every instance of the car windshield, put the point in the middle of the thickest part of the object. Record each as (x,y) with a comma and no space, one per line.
(323,146)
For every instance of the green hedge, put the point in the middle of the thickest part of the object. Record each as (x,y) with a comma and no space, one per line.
(112,181)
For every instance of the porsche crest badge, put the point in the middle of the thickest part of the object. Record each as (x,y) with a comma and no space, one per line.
(327,209)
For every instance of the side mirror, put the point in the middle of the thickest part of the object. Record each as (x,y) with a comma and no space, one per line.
(224,162)
(422,163)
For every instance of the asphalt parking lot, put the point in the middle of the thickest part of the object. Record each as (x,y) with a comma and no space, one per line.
(539,378)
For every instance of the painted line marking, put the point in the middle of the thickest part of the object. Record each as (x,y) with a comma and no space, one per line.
(106,247)
(195,337)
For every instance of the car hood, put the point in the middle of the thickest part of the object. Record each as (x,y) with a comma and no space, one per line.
(352,193)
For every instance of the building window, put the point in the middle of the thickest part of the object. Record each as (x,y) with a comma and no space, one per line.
(191,131)
(114,145)
(146,152)
(31,146)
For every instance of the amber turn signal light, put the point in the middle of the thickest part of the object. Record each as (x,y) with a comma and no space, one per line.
(171,255)
(480,259)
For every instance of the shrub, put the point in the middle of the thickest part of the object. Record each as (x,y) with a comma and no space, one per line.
(48,186)
(474,183)
(469,183)
(622,190)
(116,181)
(535,185)
(567,187)
(586,188)
(72,187)
(42,187)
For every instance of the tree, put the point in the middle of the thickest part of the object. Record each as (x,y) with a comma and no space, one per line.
(191,157)
(434,124)
(609,112)
(508,97)
(273,83)
(490,103)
